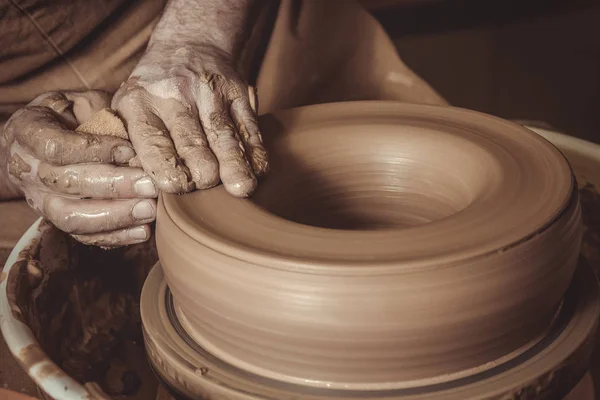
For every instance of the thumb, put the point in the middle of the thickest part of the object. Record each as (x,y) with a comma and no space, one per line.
(87,104)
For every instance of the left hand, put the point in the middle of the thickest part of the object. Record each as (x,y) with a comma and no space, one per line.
(80,182)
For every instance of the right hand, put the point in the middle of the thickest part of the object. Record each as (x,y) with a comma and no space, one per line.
(80,182)
(192,120)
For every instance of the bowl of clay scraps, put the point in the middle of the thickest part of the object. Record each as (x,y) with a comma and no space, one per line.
(395,250)
(69,314)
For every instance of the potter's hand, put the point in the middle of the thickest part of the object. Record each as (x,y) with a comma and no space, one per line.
(186,105)
(190,118)
(80,182)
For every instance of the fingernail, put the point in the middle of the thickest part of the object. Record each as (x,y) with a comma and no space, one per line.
(145,187)
(143,211)
(137,233)
(122,154)
(242,188)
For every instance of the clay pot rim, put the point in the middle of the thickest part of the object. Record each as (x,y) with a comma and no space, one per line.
(205,236)
(360,268)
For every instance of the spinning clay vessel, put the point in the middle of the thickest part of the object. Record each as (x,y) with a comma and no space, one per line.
(393,248)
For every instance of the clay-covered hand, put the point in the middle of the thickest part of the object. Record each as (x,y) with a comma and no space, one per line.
(191,119)
(80,182)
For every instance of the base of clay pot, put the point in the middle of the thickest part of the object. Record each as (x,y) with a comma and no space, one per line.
(584,390)
(550,369)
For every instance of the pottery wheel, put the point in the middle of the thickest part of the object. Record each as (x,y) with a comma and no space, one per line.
(393,249)
(548,370)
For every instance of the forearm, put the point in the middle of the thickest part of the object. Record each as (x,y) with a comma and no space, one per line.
(224,25)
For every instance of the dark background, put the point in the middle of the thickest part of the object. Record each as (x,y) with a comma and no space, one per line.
(527,59)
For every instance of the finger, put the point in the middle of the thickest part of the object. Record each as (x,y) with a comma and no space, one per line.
(93,216)
(97,181)
(87,103)
(60,105)
(235,170)
(101,181)
(247,125)
(38,130)
(192,146)
(153,144)
(118,238)
(75,106)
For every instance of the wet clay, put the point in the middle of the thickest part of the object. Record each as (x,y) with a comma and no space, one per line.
(392,246)
(17,166)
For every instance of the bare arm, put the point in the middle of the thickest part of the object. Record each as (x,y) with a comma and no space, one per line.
(224,25)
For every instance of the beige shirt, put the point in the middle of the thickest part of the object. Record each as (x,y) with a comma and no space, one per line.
(331,50)
(69,44)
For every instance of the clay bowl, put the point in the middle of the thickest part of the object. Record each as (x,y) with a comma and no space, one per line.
(47,248)
(392,246)
(20,339)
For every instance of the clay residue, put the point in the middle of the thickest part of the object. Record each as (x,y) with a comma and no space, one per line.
(30,356)
(17,167)
(82,304)
(590,209)
(48,369)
